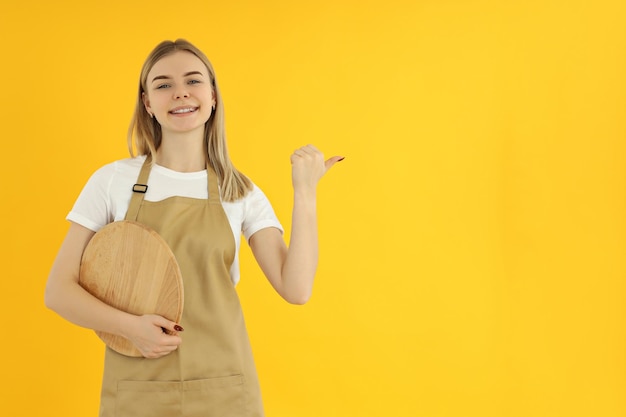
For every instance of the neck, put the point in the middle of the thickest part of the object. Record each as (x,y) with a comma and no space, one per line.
(182,152)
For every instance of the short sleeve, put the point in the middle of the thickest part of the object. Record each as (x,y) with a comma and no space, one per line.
(92,208)
(258,214)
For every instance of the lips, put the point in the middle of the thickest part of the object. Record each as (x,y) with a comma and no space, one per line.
(183,110)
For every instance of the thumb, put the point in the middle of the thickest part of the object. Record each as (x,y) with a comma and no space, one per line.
(332,161)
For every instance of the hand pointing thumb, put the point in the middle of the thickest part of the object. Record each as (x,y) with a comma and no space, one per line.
(332,161)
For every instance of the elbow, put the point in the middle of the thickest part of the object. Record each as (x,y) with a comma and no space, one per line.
(298,299)
(50,299)
(295,288)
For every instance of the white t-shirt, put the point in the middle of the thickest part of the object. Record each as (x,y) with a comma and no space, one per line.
(106,196)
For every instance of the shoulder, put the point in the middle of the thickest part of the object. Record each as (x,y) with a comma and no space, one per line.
(128,167)
(113,178)
(121,166)
(254,196)
(253,204)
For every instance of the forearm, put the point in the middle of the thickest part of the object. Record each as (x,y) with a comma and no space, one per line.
(291,270)
(153,335)
(301,259)
(65,296)
(72,302)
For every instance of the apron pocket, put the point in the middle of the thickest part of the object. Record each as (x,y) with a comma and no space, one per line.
(148,399)
(215,397)
(211,397)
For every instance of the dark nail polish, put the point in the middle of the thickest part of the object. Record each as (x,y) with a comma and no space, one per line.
(341,159)
(178,328)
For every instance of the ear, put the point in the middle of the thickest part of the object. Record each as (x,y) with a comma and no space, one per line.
(146,102)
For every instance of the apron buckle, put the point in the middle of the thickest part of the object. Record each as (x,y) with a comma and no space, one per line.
(140,188)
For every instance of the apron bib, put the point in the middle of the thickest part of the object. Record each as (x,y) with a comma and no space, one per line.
(212,373)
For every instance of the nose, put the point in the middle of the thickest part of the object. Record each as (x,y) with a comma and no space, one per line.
(181,92)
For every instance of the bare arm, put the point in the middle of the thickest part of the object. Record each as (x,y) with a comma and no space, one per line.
(65,296)
(291,271)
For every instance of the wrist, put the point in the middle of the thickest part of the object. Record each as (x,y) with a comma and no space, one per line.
(305,194)
(126,323)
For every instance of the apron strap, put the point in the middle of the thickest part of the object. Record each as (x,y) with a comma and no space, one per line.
(214,192)
(139,190)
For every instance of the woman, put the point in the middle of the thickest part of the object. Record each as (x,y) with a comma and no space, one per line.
(200,204)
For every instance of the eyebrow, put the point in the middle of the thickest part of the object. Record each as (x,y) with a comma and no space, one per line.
(167,77)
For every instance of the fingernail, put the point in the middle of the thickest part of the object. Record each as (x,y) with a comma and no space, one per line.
(341,159)
(178,328)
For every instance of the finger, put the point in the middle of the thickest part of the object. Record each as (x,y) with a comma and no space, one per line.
(171,343)
(304,152)
(300,155)
(308,150)
(158,353)
(332,161)
(169,326)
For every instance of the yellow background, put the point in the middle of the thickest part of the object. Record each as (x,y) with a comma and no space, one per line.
(472,242)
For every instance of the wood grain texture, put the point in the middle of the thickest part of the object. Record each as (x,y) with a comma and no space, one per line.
(130,267)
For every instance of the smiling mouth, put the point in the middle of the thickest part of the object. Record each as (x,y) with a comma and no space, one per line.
(183,110)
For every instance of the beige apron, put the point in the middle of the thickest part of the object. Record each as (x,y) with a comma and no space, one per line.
(212,373)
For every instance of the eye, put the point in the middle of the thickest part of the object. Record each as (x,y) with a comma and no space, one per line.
(194,82)
(162,86)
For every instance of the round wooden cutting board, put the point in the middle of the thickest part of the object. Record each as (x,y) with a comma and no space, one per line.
(130,267)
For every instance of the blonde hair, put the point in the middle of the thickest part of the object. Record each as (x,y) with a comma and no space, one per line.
(145,132)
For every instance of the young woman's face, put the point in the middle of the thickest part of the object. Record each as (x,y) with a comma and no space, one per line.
(179,93)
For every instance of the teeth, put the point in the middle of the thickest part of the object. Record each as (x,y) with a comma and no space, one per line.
(187,110)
